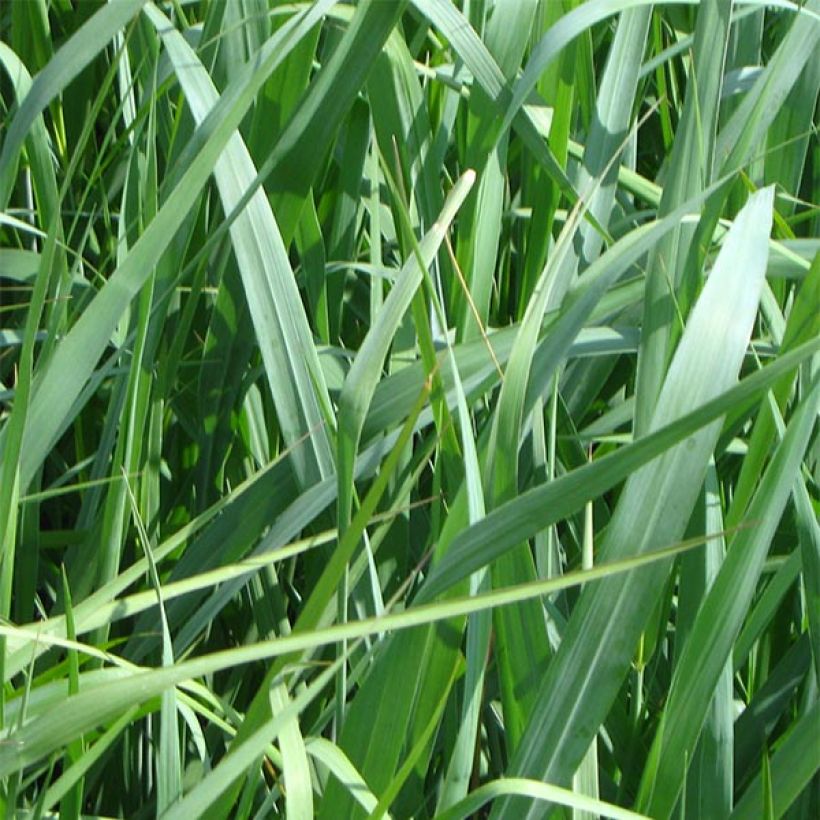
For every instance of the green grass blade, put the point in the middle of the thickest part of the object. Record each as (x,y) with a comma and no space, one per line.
(710,775)
(610,126)
(691,168)
(745,131)
(61,382)
(793,767)
(282,331)
(719,618)
(541,506)
(363,377)
(342,769)
(80,49)
(98,704)
(536,790)
(325,103)
(594,655)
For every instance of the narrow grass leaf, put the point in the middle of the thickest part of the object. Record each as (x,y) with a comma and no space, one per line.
(603,631)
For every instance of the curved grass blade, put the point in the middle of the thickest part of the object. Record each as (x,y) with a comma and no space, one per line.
(534,789)
(96,705)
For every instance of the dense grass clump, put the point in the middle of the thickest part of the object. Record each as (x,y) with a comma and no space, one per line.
(409,409)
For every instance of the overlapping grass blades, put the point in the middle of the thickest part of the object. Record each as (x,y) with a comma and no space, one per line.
(409,408)
(606,624)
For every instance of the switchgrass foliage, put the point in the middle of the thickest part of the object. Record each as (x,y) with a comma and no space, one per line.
(408,408)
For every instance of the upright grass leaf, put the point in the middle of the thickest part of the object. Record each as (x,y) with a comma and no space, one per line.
(808,530)
(10,489)
(282,332)
(595,653)
(478,627)
(344,230)
(691,169)
(785,168)
(363,377)
(72,800)
(506,35)
(228,344)
(325,103)
(168,766)
(708,645)
(135,383)
(299,794)
(754,730)
(489,75)
(83,46)
(44,179)
(610,126)
(60,384)
(342,769)
(403,125)
(555,40)
(793,766)
(710,775)
(557,87)
(744,132)
(803,323)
